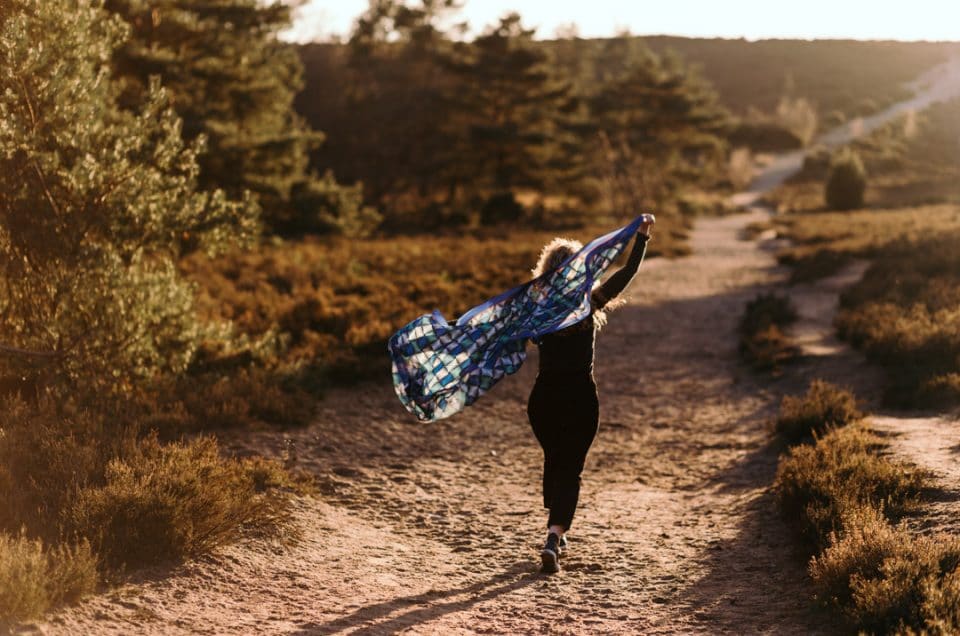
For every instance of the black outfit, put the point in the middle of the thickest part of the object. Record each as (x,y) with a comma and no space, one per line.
(563,408)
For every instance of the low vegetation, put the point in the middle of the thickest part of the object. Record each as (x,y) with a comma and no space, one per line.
(763,343)
(327,308)
(846,182)
(912,161)
(823,408)
(846,498)
(902,313)
(904,316)
(87,498)
(34,578)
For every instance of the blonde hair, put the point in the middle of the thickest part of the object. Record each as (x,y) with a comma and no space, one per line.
(559,250)
(554,253)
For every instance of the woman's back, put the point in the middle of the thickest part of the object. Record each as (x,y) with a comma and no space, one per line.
(567,355)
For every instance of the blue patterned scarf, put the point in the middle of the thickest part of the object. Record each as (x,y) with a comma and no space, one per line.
(439,368)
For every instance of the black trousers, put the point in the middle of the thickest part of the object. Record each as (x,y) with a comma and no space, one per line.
(564,416)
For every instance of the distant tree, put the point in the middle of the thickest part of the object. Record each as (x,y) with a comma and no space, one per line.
(397,106)
(846,181)
(231,80)
(96,203)
(663,122)
(515,112)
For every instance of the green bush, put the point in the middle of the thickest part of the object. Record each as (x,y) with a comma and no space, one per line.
(846,182)
(824,407)
(33,579)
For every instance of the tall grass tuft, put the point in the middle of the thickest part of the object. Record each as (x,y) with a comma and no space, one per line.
(34,578)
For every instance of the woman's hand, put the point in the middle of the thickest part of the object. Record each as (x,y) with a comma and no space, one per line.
(646,225)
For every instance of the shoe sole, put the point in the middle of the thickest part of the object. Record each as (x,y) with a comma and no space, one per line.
(550,562)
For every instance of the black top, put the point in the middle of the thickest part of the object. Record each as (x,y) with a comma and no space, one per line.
(568,353)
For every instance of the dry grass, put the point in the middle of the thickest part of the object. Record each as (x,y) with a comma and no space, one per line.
(325,309)
(844,494)
(763,344)
(102,499)
(824,407)
(33,579)
(819,485)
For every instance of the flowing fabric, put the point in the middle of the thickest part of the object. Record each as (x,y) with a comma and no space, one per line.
(439,368)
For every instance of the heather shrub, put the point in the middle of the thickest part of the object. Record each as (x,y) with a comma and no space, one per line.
(169,501)
(34,578)
(883,578)
(941,605)
(762,340)
(846,182)
(824,407)
(819,485)
(903,314)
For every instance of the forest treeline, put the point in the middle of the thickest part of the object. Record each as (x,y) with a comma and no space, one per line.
(442,131)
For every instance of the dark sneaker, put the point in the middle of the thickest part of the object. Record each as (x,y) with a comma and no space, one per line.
(550,555)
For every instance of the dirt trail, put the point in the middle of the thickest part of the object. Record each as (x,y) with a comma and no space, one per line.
(435,528)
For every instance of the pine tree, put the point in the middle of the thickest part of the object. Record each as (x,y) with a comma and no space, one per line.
(399,107)
(96,202)
(513,108)
(234,82)
(663,122)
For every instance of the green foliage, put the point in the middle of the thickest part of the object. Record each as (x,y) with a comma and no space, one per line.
(664,123)
(824,407)
(511,106)
(817,486)
(34,578)
(846,182)
(95,203)
(762,340)
(234,83)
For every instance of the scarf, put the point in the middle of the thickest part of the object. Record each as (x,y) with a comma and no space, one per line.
(439,368)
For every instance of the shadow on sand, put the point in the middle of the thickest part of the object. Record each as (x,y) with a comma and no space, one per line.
(396,614)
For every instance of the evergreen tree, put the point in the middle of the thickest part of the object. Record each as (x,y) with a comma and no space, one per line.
(95,205)
(398,102)
(234,82)
(514,110)
(662,121)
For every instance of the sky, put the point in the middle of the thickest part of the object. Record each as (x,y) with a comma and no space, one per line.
(751,19)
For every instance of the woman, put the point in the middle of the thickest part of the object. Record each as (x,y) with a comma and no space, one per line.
(563,406)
